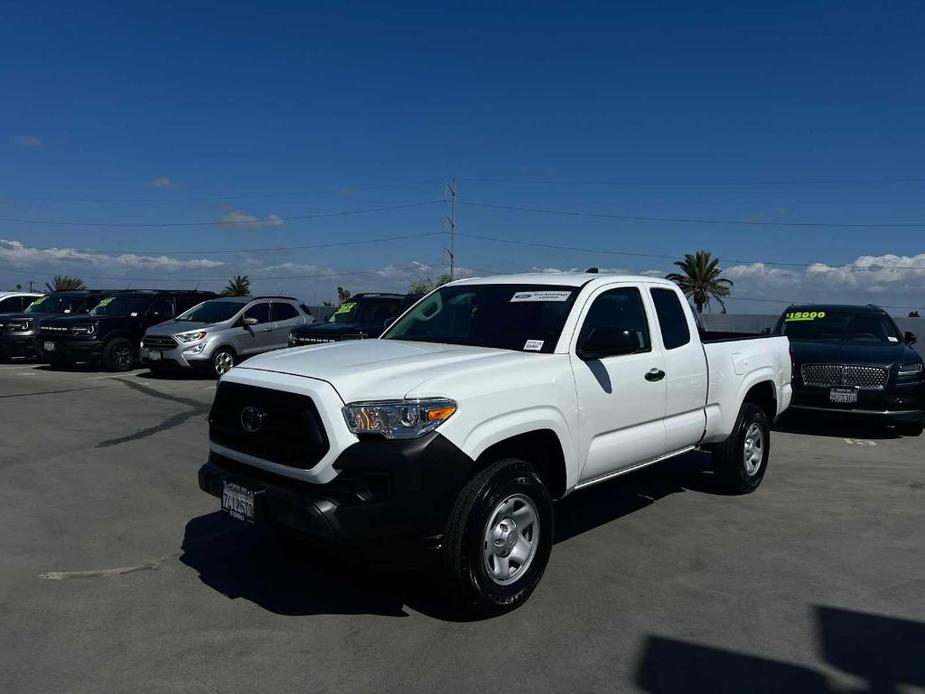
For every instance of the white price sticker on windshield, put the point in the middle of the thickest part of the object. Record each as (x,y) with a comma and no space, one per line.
(534,345)
(540,296)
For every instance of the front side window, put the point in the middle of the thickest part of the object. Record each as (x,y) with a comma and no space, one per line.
(618,310)
(259,311)
(504,316)
(671,318)
(161,309)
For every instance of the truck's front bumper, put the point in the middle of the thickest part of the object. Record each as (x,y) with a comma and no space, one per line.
(901,403)
(17,345)
(69,350)
(390,500)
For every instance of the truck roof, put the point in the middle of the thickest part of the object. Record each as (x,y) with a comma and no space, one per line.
(567,279)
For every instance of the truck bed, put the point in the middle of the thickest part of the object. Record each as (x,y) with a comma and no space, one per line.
(709,336)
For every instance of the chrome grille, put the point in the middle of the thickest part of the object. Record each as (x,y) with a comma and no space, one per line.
(862,377)
(159,342)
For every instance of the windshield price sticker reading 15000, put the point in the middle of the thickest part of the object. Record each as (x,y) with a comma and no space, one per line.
(344,308)
(803,315)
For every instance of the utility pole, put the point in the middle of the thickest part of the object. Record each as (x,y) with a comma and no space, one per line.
(31,282)
(452,220)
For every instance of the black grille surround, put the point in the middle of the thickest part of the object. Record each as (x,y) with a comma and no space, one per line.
(291,432)
(164,342)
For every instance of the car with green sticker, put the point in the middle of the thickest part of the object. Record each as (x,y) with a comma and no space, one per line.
(18,330)
(854,360)
(110,334)
(360,317)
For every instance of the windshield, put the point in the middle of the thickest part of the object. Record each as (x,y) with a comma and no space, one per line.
(55,303)
(838,326)
(365,311)
(211,312)
(122,305)
(504,316)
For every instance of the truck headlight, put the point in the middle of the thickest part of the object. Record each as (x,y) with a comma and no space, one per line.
(19,325)
(906,370)
(87,329)
(192,337)
(398,419)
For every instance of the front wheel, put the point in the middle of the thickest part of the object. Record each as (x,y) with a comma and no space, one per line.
(741,460)
(222,361)
(118,354)
(499,538)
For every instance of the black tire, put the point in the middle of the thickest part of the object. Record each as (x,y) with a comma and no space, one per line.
(218,362)
(119,354)
(910,428)
(729,457)
(468,578)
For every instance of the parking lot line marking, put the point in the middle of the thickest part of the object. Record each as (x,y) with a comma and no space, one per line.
(860,442)
(150,565)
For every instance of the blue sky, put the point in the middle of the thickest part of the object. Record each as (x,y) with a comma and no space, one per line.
(198,112)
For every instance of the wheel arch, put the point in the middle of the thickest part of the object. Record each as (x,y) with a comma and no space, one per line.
(540,447)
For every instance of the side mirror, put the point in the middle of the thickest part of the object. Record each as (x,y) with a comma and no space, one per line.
(248,321)
(607,342)
(910,338)
(765,331)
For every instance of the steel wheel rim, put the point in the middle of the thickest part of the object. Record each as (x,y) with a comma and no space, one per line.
(122,356)
(753,450)
(223,362)
(510,539)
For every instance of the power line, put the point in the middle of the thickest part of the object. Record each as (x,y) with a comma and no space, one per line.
(686,220)
(631,254)
(757,182)
(212,251)
(233,223)
(227,196)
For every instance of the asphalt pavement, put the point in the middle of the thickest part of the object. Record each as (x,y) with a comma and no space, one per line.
(117,574)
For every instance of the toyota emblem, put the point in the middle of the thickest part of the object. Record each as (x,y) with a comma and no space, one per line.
(252,419)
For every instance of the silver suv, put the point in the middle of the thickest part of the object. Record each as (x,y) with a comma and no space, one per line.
(217,334)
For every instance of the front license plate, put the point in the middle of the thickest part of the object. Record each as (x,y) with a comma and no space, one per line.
(238,501)
(843,396)
(49,346)
(153,355)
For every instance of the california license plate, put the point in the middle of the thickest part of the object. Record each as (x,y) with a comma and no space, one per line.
(49,346)
(843,396)
(153,355)
(238,501)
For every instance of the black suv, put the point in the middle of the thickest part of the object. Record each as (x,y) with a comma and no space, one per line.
(853,360)
(111,332)
(360,317)
(18,330)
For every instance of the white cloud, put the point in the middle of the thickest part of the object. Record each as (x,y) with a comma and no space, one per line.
(162,182)
(238,219)
(28,141)
(17,254)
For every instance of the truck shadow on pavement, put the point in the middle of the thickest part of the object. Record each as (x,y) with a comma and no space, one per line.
(884,652)
(836,427)
(248,562)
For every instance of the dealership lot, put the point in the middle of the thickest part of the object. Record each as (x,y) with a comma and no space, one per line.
(118,574)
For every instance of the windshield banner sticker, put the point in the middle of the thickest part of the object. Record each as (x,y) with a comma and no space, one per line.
(105,302)
(540,296)
(345,308)
(534,345)
(803,315)
(39,300)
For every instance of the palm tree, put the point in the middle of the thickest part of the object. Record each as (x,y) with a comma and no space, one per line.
(239,285)
(700,279)
(65,283)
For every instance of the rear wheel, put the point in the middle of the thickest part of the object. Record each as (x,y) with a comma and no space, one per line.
(222,361)
(499,538)
(118,354)
(741,460)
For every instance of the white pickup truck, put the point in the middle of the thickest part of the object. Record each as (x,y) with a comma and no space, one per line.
(450,436)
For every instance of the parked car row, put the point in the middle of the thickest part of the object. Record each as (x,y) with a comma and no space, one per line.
(176,330)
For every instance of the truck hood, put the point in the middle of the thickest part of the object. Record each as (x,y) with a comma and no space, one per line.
(382,369)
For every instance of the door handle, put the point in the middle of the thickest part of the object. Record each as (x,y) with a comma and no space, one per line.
(655,375)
